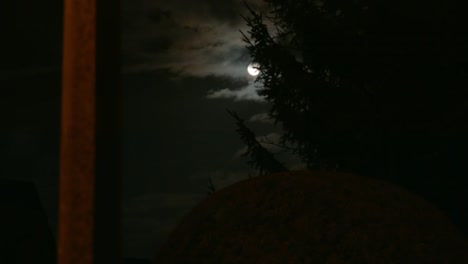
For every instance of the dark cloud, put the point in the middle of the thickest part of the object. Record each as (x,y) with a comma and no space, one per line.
(203,35)
(248,92)
(225,10)
(157,44)
(190,38)
(262,118)
(158,14)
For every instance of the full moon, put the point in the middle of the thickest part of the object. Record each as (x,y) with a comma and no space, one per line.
(251,69)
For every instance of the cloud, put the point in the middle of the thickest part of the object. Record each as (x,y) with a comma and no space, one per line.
(248,92)
(190,38)
(200,39)
(262,118)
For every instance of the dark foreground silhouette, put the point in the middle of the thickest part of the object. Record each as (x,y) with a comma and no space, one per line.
(25,233)
(314,217)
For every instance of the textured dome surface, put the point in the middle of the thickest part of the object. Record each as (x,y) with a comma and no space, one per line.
(314,217)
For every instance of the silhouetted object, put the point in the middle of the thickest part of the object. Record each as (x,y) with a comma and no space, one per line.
(260,158)
(376,88)
(369,72)
(89,230)
(211,187)
(25,236)
(314,217)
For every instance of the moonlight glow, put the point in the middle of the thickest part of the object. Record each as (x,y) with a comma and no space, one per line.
(251,69)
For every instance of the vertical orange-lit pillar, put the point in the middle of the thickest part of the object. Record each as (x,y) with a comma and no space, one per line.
(89,196)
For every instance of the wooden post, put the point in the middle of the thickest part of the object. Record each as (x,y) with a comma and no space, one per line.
(89,196)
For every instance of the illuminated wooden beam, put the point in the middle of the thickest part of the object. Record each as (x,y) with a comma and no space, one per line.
(89,196)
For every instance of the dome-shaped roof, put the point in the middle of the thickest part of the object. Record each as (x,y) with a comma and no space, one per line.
(314,217)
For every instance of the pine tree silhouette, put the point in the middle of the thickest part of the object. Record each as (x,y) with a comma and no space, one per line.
(260,157)
(376,88)
(211,187)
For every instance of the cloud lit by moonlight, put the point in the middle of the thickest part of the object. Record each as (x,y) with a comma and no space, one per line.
(252,69)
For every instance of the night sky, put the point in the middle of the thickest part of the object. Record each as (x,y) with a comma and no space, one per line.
(184,63)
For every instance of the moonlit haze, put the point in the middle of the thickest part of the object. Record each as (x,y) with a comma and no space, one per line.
(252,69)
